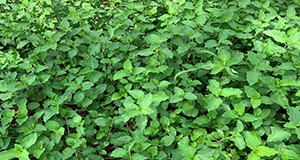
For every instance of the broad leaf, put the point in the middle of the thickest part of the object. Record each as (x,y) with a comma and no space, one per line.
(278,135)
(213,102)
(252,139)
(190,96)
(119,152)
(29,140)
(168,140)
(146,100)
(92,63)
(239,142)
(253,76)
(226,92)
(185,149)
(265,151)
(136,93)
(248,118)
(279,36)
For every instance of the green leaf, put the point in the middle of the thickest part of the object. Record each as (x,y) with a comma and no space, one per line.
(8,154)
(22,110)
(63,48)
(127,66)
(168,140)
(239,126)
(295,37)
(163,84)
(119,152)
(223,55)
(29,140)
(101,121)
(22,44)
(146,110)
(279,36)
(23,155)
(79,96)
(145,101)
(288,82)
(248,118)
(56,37)
(229,114)
(256,58)
(280,99)
(101,88)
(38,152)
(294,114)
(183,48)
(187,107)
(206,153)
(64,24)
(287,66)
(67,153)
(153,62)
(160,96)
(278,135)
(116,96)
(153,150)
(291,12)
(239,142)
(94,48)
(39,68)
(86,102)
(270,82)
(136,94)
(73,52)
(92,63)
(253,156)
(255,102)
(190,96)
(252,139)
(185,149)
(211,43)
(167,52)
(141,122)
(289,154)
(176,98)
(201,120)
(6,96)
(213,102)
(52,125)
(253,76)
(94,76)
(2,2)
(145,52)
(226,92)
(265,151)
(244,3)
(165,121)
(86,85)
(120,74)
(228,16)
(217,68)
(44,78)
(251,92)
(137,156)
(215,87)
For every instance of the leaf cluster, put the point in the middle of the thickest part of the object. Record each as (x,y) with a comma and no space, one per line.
(169,79)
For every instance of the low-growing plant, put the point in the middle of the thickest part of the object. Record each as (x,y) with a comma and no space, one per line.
(165,79)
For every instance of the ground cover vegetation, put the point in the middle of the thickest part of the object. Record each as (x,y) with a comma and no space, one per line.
(133,80)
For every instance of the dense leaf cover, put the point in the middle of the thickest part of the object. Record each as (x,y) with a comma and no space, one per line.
(133,80)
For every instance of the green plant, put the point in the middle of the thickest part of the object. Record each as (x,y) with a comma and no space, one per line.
(149,79)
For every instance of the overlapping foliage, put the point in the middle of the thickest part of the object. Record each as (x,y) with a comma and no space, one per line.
(149,79)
